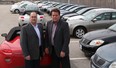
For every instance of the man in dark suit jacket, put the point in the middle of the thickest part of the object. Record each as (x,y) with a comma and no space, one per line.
(58,38)
(31,40)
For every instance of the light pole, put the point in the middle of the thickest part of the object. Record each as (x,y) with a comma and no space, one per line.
(68,1)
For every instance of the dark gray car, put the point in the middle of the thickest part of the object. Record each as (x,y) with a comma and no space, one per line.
(105,57)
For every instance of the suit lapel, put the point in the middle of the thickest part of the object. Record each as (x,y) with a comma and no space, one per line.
(50,26)
(57,28)
(33,30)
(40,29)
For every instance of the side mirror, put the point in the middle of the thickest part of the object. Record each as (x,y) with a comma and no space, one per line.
(4,35)
(94,20)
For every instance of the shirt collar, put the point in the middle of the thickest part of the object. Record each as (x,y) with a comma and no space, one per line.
(35,25)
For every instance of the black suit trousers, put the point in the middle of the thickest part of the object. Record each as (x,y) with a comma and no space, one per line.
(58,62)
(32,64)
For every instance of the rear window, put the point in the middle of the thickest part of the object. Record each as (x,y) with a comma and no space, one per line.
(31,7)
(28,12)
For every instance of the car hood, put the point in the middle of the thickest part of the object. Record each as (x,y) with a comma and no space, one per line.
(79,17)
(14,6)
(70,15)
(107,52)
(99,34)
(63,12)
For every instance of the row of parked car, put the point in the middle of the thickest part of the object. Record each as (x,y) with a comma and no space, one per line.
(81,18)
(100,44)
(93,18)
(24,8)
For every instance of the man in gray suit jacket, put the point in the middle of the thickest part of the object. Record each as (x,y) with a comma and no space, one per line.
(57,39)
(31,40)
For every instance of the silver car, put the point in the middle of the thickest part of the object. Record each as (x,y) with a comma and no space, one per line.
(92,20)
(105,57)
(19,7)
(24,17)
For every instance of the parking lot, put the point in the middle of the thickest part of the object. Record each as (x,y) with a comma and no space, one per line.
(9,20)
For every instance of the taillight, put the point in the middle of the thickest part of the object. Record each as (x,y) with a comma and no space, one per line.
(41,16)
(22,18)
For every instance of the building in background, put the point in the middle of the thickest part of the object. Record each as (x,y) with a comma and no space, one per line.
(93,3)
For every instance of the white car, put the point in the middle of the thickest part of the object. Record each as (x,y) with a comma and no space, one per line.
(24,19)
(19,7)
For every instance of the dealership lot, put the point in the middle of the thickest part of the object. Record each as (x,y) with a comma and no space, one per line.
(9,20)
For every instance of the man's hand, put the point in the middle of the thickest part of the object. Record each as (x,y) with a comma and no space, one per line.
(46,50)
(62,54)
(28,57)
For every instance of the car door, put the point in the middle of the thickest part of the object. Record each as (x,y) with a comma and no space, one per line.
(101,21)
(22,7)
(113,17)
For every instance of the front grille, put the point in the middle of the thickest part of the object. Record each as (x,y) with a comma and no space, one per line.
(84,41)
(98,61)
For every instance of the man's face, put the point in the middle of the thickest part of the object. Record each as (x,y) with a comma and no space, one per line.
(33,18)
(55,16)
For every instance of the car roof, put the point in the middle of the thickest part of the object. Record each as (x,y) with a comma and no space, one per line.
(104,9)
(100,10)
(31,7)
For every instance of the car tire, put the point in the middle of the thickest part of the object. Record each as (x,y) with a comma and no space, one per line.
(16,11)
(79,32)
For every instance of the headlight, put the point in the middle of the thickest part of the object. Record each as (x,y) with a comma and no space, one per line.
(96,42)
(113,65)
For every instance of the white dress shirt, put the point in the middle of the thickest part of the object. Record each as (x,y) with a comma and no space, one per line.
(38,33)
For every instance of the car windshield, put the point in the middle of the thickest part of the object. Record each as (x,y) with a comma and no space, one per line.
(73,9)
(89,15)
(113,27)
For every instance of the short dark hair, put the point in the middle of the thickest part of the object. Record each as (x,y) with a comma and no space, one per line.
(55,10)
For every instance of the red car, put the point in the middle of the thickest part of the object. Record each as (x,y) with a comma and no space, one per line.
(11,55)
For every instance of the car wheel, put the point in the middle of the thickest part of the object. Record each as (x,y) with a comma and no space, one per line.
(79,32)
(17,11)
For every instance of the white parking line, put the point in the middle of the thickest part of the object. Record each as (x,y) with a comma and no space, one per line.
(82,58)
(72,41)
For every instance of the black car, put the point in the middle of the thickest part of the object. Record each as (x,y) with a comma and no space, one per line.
(95,39)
